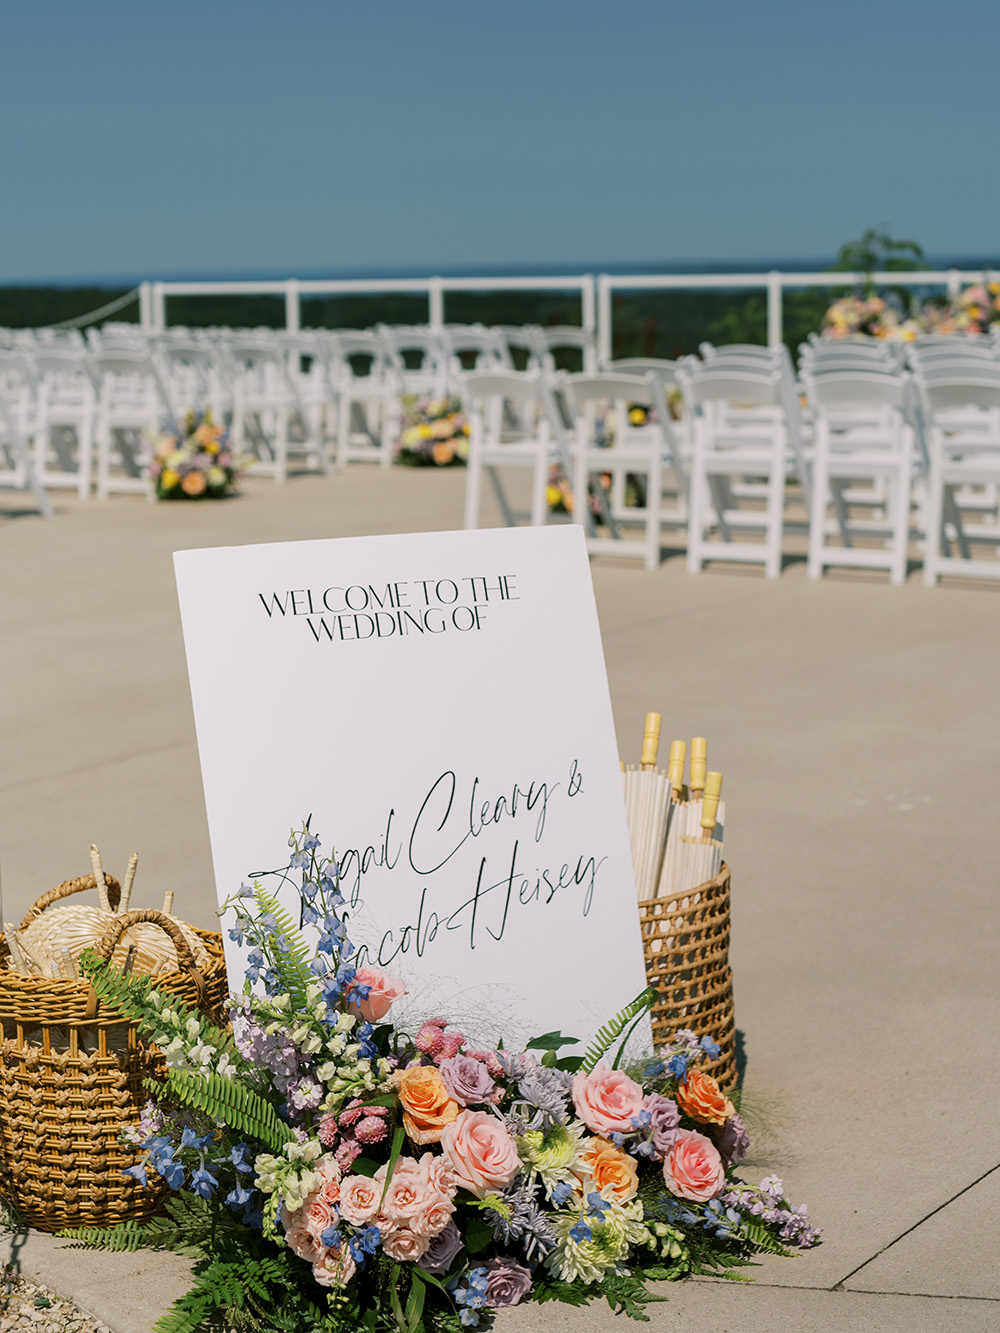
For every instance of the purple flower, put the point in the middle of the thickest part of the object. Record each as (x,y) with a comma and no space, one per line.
(467,1080)
(732,1140)
(438,1256)
(664,1122)
(507,1282)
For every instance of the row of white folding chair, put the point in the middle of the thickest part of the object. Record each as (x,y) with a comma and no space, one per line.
(864,434)
(960,414)
(536,421)
(17,468)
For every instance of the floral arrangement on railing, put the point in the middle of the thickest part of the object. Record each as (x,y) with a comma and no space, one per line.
(195,463)
(972,312)
(335,1173)
(435,432)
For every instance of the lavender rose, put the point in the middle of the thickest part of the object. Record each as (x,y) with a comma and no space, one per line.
(732,1140)
(467,1080)
(664,1122)
(507,1282)
(442,1250)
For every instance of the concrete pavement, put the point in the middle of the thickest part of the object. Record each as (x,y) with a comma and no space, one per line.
(857,727)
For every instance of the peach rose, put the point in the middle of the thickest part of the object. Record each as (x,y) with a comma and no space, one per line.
(407,1191)
(700,1097)
(404,1245)
(606,1100)
(427,1107)
(442,452)
(318,1214)
(193,483)
(359,1200)
(613,1170)
(433,1218)
(481,1152)
(384,992)
(301,1240)
(693,1168)
(335,1268)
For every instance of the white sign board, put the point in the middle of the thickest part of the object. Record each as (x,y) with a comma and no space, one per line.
(438,704)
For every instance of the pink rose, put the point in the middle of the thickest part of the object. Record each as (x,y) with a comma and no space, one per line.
(319,1214)
(438,1174)
(300,1239)
(482,1154)
(359,1200)
(606,1100)
(334,1268)
(404,1245)
(432,1219)
(329,1172)
(407,1191)
(693,1168)
(384,991)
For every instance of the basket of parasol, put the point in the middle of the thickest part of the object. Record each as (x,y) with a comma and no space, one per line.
(71,1073)
(685,943)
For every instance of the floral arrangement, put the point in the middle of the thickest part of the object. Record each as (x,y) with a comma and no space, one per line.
(971,313)
(435,432)
(335,1173)
(194,463)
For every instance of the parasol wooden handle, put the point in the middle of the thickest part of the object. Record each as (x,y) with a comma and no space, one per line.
(699,760)
(68,886)
(650,740)
(710,805)
(675,766)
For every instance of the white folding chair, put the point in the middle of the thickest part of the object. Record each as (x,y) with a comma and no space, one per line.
(566,338)
(862,434)
(65,418)
(725,448)
(416,358)
(961,418)
(513,423)
(129,405)
(636,451)
(365,397)
(17,471)
(265,403)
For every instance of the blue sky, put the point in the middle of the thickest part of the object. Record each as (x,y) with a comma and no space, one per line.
(241,138)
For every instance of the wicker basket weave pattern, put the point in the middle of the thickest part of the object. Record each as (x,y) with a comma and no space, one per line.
(71,1077)
(685,941)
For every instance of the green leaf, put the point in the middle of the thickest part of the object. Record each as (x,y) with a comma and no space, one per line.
(397,1148)
(551,1041)
(415,1303)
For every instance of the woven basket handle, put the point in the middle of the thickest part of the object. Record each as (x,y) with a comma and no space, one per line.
(68,886)
(185,957)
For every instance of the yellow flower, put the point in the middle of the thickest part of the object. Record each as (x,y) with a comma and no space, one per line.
(215,476)
(426,432)
(212,448)
(169,478)
(637,416)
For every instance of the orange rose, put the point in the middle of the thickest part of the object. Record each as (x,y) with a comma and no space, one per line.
(193,483)
(427,1107)
(443,453)
(614,1173)
(700,1097)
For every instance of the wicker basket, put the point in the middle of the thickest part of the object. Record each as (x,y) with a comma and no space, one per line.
(685,942)
(71,1077)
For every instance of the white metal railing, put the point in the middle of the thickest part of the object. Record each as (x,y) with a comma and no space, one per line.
(595,293)
(153,295)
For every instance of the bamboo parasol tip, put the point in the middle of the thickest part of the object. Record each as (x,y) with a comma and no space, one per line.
(651,740)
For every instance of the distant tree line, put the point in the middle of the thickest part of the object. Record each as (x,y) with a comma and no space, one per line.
(645,323)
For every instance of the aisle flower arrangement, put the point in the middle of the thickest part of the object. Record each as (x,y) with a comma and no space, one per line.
(971,313)
(435,432)
(333,1172)
(196,462)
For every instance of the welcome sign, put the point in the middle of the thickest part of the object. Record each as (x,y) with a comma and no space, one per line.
(438,704)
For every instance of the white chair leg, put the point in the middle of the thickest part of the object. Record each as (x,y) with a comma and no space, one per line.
(775,517)
(697,516)
(473,487)
(934,511)
(539,484)
(654,500)
(817,515)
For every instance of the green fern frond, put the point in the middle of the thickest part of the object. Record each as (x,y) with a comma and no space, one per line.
(756,1234)
(130,997)
(293,965)
(230,1101)
(611,1031)
(129,1236)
